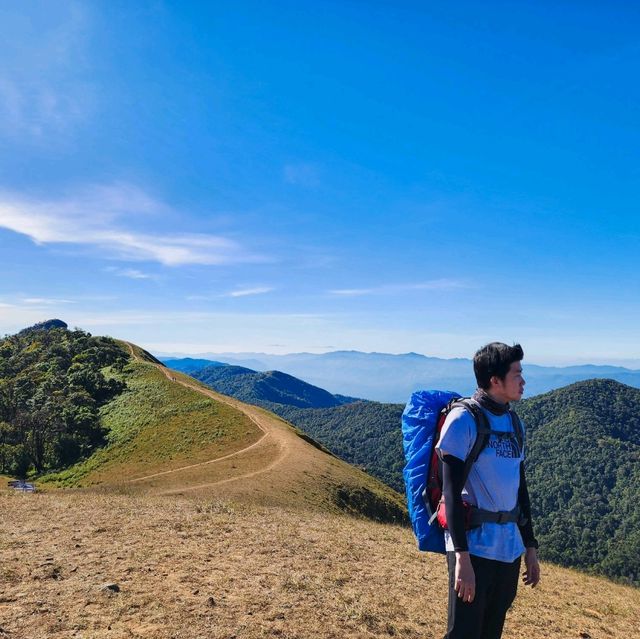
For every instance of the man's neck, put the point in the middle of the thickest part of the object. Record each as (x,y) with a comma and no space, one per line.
(496,397)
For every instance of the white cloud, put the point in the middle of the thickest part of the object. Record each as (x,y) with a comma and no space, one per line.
(94,217)
(251,291)
(432,285)
(131,273)
(45,301)
(241,292)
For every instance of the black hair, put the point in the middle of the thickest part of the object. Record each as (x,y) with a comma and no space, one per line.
(495,359)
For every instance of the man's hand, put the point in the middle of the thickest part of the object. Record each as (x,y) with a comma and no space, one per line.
(465,577)
(531,576)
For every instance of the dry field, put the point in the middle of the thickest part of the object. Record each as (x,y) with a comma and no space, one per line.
(189,569)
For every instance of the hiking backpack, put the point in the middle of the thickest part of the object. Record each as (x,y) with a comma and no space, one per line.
(422,421)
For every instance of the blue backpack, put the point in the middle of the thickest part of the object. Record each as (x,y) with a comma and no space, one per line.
(419,428)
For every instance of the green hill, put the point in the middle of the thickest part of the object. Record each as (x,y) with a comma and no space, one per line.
(80,411)
(52,388)
(582,464)
(366,434)
(273,386)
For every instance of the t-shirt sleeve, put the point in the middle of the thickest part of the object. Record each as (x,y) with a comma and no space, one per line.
(458,434)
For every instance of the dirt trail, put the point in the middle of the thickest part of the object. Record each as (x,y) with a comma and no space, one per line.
(272,435)
(280,469)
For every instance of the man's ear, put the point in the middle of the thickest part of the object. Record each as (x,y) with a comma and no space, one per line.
(495,380)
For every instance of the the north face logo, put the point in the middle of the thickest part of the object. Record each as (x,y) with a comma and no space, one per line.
(506,447)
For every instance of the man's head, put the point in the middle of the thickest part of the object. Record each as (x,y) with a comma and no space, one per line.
(498,371)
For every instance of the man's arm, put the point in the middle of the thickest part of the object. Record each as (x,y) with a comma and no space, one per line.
(452,485)
(531,575)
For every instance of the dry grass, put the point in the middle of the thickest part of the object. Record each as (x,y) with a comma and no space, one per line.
(189,569)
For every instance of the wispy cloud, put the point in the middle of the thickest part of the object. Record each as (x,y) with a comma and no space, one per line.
(432,285)
(96,217)
(240,292)
(243,292)
(131,273)
(45,301)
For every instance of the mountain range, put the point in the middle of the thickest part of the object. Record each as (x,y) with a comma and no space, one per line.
(392,378)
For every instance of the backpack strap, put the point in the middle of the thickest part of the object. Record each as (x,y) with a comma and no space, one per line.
(483,431)
(517,429)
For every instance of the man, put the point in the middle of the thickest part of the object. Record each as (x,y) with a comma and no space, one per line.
(484,561)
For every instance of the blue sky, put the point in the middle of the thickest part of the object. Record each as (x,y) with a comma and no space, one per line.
(286,176)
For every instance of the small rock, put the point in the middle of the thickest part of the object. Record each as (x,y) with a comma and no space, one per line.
(195,592)
(110,588)
(585,635)
(211,602)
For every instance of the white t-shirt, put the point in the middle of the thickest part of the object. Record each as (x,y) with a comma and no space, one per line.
(492,484)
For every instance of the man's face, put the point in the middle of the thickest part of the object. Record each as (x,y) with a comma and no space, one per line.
(511,388)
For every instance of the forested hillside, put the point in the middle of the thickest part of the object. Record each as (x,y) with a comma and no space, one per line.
(51,389)
(366,434)
(584,476)
(273,386)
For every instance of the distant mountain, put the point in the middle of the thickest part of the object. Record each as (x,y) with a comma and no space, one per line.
(272,387)
(392,378)
(188,364)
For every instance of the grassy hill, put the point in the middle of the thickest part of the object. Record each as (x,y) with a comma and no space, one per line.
(362,433)
(161,432)
(157,426)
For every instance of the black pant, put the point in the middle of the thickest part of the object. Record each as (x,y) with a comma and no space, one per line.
(496,586)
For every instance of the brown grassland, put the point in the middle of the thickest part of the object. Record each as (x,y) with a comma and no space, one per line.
(196,569)
(209,518)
